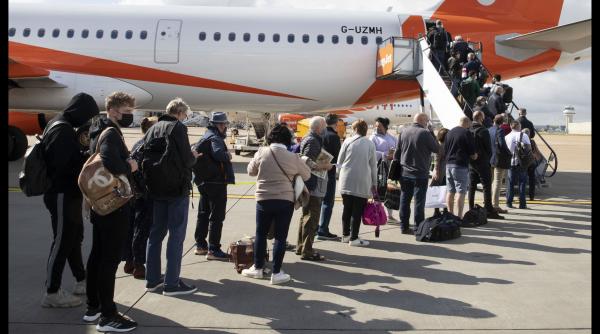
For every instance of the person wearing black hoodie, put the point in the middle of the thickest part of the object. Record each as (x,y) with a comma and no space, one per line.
(109,231)
(64,160)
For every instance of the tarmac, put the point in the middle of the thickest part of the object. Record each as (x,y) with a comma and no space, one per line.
(529,273)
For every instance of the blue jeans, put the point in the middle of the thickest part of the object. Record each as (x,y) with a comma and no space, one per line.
(410,186)
(327,206)
(513,173)
(280,213)
(169,215)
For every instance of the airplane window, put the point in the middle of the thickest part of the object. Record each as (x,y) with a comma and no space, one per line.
(305,38)
(246,37)
(70,33)
(231,36)
(320,39)
(55,33)
(99,33)
(11,32)
(143,34)
(41,32)
(364,40)
(26,32)
(291,38)
(276,38)
(202,36)
(335,39)
(114,34)
(349,39)
(378,40)
(128,34)
(217,36)
(85,33)
(261,37)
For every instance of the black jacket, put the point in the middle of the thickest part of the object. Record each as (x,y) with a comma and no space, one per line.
(332,144)
(483,146)
(219,153)
(525,123)
(496,104)
(179,137)
(62,150)
(113,152)
(459,145)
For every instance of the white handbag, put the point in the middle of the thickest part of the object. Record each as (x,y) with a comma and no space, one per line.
(436,197)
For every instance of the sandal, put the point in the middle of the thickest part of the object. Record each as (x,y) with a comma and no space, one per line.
(314,257)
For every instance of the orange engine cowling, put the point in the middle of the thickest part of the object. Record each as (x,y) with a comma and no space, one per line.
(30,123)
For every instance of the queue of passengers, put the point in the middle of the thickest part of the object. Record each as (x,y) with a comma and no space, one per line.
(135,231)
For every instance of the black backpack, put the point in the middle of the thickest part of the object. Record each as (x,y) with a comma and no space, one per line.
(507,97)
(477,216)
(439,39)
(524,154)
(382,177)
(33,178)
(503,154)
(206,168)
(444,226)
(161,168)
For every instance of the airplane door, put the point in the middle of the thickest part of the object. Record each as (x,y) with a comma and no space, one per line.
(166,46)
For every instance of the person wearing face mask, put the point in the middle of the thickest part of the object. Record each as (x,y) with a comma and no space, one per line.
(385,146)
(64,160)
(109,231)
(213,191)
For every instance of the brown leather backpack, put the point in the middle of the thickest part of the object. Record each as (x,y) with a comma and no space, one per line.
(102,190)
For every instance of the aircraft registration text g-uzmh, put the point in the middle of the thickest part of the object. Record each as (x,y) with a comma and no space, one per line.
(362,30)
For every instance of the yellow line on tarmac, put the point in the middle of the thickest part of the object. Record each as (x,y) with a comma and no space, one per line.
(339,199)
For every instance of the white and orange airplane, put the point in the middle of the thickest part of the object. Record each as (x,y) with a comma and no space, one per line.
(255,59)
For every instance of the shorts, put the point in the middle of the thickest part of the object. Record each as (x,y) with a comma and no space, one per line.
(457,179)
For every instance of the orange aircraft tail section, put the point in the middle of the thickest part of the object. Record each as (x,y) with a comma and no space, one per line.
(536,12)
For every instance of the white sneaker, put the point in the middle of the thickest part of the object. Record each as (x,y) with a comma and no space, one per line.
(60,299)
(253,272)
(79,288)
(358,243)
(392,220)
(345,239)
(280,277)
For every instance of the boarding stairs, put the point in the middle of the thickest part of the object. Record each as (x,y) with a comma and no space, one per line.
(410,60)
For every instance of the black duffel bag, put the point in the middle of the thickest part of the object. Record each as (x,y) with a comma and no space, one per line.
(477,216)
(444,226)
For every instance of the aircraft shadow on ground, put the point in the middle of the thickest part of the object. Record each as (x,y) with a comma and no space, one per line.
(432,250)
(505,231)
(466,239)
(283,308)
(144,319)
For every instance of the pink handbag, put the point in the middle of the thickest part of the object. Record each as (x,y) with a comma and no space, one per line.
(374,215)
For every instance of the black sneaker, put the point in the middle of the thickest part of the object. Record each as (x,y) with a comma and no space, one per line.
(327,236)
(494,215)
(92,314)
(154,287)
(180,289)
(408,231)
(116,323)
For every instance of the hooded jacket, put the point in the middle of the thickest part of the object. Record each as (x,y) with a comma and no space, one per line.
(64,158)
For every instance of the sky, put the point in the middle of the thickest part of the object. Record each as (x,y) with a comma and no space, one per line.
(544,95)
